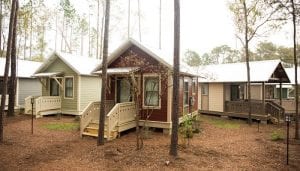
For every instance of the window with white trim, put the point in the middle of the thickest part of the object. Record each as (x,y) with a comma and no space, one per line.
(186,94)
(151,91)
(69,87)
(54,87)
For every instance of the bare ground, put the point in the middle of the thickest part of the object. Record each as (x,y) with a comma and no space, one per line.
(214,148)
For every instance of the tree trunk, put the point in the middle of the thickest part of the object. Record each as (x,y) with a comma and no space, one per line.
(13,77)
(247,61)
(139,15)
(1,52)
(102,30)
(159,35)
(31,32)
(56,28)
(175,104)
(297,136)
(7,64)
(104,76)
(128,29)
(97,41)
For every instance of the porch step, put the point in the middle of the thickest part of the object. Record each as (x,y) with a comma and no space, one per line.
(92,130)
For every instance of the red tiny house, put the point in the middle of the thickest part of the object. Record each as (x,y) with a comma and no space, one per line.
(154,78)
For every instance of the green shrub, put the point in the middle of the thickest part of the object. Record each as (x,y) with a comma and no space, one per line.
(277,135)
(188,127)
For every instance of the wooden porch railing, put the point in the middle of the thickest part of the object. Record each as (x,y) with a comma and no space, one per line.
(92,112)
(275,110)
(243,107)
(42,103)
(120,113)
(257,107)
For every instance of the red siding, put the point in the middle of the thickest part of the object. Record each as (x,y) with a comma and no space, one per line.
(135,57)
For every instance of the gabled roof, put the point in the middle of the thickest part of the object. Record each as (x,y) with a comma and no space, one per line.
(260,71)
(291,74)
(24,68)
(79,64)
(159,55)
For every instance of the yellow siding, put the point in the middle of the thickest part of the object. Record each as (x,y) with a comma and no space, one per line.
(216,97)
(68,105)
(90,90)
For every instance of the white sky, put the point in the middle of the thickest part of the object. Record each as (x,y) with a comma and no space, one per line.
(205,24)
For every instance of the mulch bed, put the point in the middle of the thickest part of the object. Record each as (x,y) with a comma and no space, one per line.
(214,148)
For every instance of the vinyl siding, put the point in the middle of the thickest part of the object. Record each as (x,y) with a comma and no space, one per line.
(68,105)
(90,90)
(28,87)
(216,97)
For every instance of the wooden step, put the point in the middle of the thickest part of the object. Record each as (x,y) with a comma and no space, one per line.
(96,135)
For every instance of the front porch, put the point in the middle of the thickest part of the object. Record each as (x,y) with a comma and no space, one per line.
(42,105)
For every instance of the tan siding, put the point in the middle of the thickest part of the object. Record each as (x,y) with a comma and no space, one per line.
(90,90)
(67,104)
(256,92)
(216,97)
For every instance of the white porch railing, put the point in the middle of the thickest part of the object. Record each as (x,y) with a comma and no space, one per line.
(120,113)
(117,114)
(42,103)
(92,112)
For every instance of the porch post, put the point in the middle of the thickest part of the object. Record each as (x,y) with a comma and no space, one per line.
(263,96)
(280,93)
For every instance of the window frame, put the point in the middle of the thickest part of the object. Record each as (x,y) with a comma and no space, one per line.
(59,79)
(204,89)
(185,93)
(68,77)
(145,76)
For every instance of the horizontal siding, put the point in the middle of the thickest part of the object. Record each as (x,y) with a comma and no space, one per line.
(28,87)
(59,66)
(216,97)
(90,90)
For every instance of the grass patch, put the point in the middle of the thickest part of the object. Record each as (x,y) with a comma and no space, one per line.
(277,136)
(62,126)
(221,123)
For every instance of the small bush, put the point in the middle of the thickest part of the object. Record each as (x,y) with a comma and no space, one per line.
(277,136)
(188,127)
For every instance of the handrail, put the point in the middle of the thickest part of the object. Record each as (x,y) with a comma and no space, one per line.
(88,114)
(112,119)
(44,103)
(274,109)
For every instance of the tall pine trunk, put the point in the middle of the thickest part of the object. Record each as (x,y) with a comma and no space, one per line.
(13,68)
(297,136)
(6,69)
(175,105)
(104,75)
(247,61)
(1,52)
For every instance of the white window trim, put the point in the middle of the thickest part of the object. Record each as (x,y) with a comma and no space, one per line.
(188,92)
(159,91)
(49,81)
(65,87)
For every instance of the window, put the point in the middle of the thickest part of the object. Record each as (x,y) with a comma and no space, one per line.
(69,87)
(186,94)
(151,91)
(204,89)
(194,86)
(54,87)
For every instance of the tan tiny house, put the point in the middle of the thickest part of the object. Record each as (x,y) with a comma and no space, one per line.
(67,85)
(224,91)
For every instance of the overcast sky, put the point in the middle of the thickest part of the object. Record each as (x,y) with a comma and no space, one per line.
(205,24)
